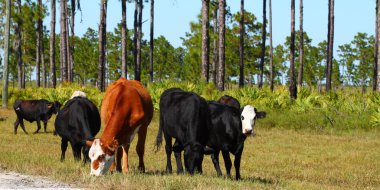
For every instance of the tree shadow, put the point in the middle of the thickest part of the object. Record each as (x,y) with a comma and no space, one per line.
(260,180)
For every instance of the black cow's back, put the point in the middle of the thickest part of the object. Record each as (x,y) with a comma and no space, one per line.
(78,121)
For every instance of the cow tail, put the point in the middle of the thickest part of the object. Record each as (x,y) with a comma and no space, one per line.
(159,135)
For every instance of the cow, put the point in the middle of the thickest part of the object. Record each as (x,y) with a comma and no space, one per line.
(230,128)
(230,101)
(78,121)
(127,109)
(34,110)
(185,117)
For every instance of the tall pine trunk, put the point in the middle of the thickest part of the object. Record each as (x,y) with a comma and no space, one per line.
(330,45)
(138,42)
(205,40)
(124,39)
(263,39)
(215,51)
(292,80)
(52,45)
(63,42)
(71,43)
(241,45)
(6,53)
(18,45)
(135,15)
(102,44)
(151,44)
(222,34)
(375,64)
(300,69)
(38,43)
(271,69)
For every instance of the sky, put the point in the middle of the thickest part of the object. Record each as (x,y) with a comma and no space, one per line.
(173,17)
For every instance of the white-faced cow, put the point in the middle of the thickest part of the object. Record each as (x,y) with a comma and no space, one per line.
(230,127)
(185,117)
(78,121)
(127,109)
(34,110)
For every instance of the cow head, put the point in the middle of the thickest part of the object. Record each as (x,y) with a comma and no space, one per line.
(101,157)
(248,116)
(78,94)
(54,107)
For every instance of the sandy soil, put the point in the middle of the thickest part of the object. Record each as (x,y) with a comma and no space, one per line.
(12,180)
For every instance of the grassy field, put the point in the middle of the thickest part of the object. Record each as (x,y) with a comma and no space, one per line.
(275,158)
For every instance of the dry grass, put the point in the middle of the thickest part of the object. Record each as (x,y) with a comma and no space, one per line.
(273,159)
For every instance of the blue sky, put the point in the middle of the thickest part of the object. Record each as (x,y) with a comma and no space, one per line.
(172,18)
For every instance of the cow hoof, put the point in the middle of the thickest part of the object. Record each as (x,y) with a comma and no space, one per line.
(35,132)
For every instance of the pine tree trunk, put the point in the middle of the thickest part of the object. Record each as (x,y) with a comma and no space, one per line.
(6,53)
(72,23)
(292,82)
(68,51)
(330,45)
(151,44)
(271,69)
(138,43)
(222,33)
(38,43)
(376,80)
(102,44)
(52,44)
(241,45)
(300,69)
(63,42)
(263,39)
(378,43)
(18,45)
(135,38)
(215,51)
(124,39)
(205,40)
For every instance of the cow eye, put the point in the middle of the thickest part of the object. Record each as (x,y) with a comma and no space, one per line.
(101,157)
(242,117)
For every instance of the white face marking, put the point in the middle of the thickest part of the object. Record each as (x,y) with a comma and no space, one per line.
(247,119)
(98,156)
(78,94)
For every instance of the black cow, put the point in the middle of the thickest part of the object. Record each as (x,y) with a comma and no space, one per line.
(34,110)
(78,121)
(185,117)
(230,127)
(230,101)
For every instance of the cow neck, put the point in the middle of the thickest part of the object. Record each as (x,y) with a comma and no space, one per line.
(107,139)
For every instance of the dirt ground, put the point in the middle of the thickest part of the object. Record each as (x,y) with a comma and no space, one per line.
(12,180)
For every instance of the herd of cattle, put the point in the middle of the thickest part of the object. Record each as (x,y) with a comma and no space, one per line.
(198,126)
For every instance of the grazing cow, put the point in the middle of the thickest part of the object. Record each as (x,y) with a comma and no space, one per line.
(34,110)
(78,121)
(230,101)
(127,109)
(185,117)
(230,127)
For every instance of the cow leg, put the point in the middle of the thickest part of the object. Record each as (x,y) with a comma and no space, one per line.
(125,166)
(177,148)
(76,151)
(38,125)
(85,150)
(215,161)
(140,147)
(168,149)
(64,144)
(118,156)
(16,124)
(227,162)
(237,164)
(45,125)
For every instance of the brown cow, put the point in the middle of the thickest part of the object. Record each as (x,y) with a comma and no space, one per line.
(127,109)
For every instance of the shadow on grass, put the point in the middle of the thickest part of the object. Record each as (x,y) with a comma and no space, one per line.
(260,180)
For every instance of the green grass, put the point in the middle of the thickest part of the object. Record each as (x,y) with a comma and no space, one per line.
(278,157)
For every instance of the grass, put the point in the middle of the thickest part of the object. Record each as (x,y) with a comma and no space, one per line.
(276,158)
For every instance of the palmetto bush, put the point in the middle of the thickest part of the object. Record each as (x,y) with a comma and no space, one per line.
(345,108)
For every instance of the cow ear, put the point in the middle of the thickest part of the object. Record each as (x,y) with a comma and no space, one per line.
(49,105)
(89,142)
(113,146)
(260,115)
